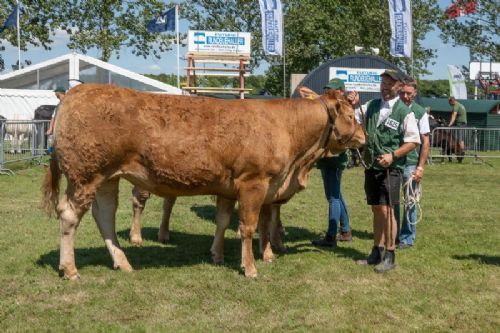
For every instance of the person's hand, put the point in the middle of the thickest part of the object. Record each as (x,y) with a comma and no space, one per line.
(418,174)
(49,132)
(353,98)
(385,160)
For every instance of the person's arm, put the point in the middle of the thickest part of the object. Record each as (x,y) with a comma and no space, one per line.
(424,153)
(50,130)
(453,118)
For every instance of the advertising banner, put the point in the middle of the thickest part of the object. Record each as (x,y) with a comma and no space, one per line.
(401,28)
(272,26)
(219,42)
(359,79)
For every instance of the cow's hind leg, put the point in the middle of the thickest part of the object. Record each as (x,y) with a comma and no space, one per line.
(70,214)
(223,218)
(104,210)
(164,231)
(277,231)
(139,198)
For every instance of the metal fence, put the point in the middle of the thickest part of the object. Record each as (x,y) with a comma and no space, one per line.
(464,142)
(22,140)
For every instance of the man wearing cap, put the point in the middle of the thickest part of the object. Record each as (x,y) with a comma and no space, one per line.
(331,168)
(60,93)
(392,132)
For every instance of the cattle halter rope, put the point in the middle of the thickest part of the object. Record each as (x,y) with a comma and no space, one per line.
(333,129)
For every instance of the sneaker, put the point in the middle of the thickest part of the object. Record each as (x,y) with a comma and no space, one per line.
(344,236)
(403,246)
(374,258)
(387,264)
(328,241)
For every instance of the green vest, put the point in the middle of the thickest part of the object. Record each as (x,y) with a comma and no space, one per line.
(461,114)
(412,157)
(387,137)
(333,162)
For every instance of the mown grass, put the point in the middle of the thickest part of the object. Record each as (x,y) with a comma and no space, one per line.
(449,282)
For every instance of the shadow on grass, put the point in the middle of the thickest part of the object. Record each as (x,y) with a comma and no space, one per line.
(208,212)
(483,259)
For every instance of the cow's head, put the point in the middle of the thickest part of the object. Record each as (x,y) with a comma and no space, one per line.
(346,133)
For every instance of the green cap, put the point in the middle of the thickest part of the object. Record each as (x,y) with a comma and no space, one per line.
(59,89)
(394,74)
(335,84)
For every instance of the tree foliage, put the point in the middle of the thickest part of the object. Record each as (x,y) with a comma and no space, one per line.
(38,21)
(317,31)
(108,25)
(479,31)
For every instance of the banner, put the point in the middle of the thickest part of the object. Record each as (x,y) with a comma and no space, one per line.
(219,42)
(401,28)
(272,26)
(165,22)
(359,79)
(457,83)
(11,20)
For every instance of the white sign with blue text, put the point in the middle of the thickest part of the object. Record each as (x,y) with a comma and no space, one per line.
(359,79)
(219,42)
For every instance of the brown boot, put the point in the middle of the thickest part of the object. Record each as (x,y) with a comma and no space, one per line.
(344,236)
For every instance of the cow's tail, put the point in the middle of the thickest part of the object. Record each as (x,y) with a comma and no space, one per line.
(50,186)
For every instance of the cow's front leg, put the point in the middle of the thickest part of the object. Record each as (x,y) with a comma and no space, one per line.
(104,210)
(164,231)
(251,197)
(223,219)
(139,198)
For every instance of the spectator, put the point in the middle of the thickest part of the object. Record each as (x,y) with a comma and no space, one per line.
(392,133)
(458,119)
(60,93)
(415,164)
(331,171)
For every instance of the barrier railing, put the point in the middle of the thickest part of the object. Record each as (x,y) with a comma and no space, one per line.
(22,140)
(464,142)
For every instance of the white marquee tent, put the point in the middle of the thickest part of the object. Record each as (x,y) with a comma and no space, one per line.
(22,91)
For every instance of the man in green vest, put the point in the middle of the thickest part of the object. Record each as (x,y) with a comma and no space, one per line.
(458,119)
(392,132)
(415,164)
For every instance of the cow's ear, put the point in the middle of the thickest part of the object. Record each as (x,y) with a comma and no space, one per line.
(307,93)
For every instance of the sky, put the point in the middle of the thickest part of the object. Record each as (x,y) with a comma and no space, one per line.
(446,54)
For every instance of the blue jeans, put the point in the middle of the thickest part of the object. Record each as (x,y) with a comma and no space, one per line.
(337,210)
(407,231)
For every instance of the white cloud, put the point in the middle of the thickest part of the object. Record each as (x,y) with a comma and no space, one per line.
(154,67)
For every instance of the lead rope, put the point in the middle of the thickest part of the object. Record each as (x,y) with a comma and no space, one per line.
(389,216)
(412,196)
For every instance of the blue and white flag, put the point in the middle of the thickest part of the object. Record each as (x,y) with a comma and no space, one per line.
(457,83)
(11,20)
(165,22)
(401,28)
(272,26)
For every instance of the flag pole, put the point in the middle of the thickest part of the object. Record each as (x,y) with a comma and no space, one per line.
(177,37)
(18,39)
(284,62)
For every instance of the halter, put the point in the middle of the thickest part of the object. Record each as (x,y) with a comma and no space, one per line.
(332,128)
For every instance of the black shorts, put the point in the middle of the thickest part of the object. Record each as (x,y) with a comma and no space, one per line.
(376,186)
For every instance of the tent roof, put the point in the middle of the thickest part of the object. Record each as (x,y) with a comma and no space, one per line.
(16,102)
(471,105)
(70,66)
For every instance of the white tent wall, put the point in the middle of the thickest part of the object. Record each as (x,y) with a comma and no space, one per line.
(20,104)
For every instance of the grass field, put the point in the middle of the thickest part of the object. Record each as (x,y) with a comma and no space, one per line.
(448,282)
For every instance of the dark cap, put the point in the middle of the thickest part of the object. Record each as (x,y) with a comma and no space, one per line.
(335,84)
(394,74)
(60,90)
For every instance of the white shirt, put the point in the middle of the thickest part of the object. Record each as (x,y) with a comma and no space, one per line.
(410,126)
(423,124)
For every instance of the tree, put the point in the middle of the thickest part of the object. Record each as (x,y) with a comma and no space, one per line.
(109,25)
(479,30)
(38,20)
(317,31)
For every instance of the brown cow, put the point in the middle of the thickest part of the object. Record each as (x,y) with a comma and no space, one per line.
(254,151)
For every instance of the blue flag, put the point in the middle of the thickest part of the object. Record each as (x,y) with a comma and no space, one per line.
(165,22)
(11,20)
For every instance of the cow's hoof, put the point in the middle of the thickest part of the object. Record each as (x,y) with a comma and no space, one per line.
(72,276)
(268,257)
(163,239)
(136,241)
(250,272)
(125,267)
